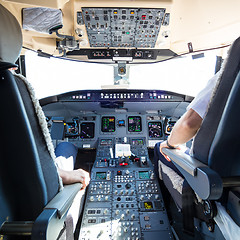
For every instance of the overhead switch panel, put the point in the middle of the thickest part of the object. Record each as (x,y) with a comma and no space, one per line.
(123,27)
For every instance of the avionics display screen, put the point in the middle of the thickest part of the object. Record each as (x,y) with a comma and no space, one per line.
(87,130)
(101,175)
(71,130)
(108,124)
(148,205)
(134,124)
(155,129)
(143,175)
(106,142)
(137,142)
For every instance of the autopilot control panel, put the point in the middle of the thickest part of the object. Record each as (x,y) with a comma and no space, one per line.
(124,199)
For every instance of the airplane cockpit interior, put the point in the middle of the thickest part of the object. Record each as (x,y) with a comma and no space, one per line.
(90,91)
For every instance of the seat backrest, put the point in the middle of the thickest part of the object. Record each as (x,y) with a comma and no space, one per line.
(28,176)
(204,138)
(224,155)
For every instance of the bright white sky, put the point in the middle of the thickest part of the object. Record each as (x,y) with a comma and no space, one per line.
(54,76)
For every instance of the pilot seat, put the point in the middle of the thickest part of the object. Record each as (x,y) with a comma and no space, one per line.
(207,183)
(33,202)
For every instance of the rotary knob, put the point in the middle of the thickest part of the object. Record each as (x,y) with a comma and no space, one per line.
(122,216)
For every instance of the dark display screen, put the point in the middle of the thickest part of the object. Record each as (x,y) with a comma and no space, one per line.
(134,124)
(101,175)
(87,130)
(108,124)
(155,129)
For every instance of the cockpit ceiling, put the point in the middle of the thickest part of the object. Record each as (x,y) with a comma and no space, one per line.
(169,27)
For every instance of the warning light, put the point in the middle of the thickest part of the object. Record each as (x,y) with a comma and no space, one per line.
(132,12)
(123,164)
(143,17)
(115,11)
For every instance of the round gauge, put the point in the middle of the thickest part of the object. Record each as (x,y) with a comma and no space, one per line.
(155,129)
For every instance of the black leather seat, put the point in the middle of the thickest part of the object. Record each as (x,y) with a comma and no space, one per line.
(31,203)
(214,169)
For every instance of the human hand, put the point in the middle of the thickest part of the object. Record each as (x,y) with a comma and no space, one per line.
(165,145)
(81,176)
(75,176)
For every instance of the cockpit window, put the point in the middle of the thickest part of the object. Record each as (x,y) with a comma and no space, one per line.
(185,75)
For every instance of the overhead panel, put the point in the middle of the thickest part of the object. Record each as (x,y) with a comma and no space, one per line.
(123,27)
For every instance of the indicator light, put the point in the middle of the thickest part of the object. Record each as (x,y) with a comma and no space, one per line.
(132,12)
(115,11)
(143,17)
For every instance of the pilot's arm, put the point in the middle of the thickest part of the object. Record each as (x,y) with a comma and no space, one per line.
(188,125)
(74,176)
(184,130)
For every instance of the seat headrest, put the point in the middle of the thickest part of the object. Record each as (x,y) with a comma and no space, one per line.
(10,36)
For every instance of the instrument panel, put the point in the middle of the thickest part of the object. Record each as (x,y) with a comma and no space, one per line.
(124,199)
(123,27)
(123,113)
(84,131)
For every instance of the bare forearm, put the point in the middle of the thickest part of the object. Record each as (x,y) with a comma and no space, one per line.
(185,128)
(75,176)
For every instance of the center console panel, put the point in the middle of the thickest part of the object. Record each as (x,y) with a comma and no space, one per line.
(124,199)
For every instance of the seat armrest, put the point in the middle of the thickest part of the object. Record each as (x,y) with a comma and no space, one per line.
(63,200)
(204,181)
(51,221)
(188,163)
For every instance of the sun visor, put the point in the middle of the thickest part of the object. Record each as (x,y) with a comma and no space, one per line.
(42,20)
(10,36)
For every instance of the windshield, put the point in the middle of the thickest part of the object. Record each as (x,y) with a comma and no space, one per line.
(184,75)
